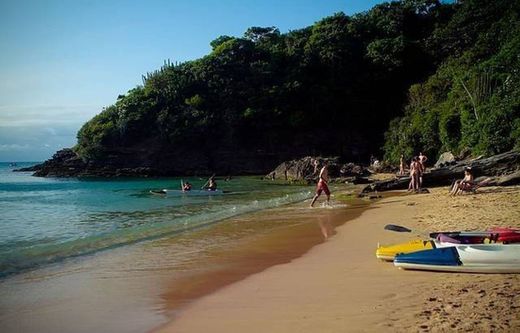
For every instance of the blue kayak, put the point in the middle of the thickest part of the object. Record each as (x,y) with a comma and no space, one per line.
(469,258)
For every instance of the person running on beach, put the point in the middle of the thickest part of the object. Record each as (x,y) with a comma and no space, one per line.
(322,184)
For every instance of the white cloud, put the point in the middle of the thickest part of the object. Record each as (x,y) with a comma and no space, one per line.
(13,147)
(46,115)
(50,130)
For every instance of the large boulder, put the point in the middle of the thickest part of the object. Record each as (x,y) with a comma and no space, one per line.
(445,159)
(305,168)
(308,168)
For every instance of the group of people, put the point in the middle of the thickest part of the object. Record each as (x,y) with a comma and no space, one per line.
(416,171)
(211,185)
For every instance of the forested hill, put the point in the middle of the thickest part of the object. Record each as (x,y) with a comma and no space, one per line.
(432,75)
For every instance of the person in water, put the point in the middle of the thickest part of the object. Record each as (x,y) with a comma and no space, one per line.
(212,186)
(322,184)
(186,187)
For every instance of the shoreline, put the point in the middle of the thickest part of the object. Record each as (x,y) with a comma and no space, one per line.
(340,286)
(150,281)
(299,231)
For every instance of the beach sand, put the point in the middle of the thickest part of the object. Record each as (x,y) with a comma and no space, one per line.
(339,285)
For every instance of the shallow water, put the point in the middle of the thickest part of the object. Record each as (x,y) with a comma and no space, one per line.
(115,258)
(46,220)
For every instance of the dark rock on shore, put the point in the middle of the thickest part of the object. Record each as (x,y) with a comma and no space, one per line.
(503,169)
(151,162)
(64,163)
(307,169)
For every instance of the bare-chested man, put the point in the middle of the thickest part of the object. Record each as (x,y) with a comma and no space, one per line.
(322,184)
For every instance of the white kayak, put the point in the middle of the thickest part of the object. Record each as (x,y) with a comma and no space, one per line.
(472,258)
(167,192)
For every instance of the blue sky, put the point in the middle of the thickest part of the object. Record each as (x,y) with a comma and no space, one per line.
(62,61)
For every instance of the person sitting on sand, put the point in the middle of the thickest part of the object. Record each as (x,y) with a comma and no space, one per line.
(322,183)
(186,187)
(466,184)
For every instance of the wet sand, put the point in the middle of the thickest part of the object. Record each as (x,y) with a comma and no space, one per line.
(290,269)
(299,229)
(339,286)
(137,287)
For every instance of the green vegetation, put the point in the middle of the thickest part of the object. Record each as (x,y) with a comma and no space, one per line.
(334,88)
(472,101)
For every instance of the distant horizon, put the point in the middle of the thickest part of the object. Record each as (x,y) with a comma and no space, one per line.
(63,62)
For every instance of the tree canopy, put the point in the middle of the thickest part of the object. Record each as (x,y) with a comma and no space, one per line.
(433,75)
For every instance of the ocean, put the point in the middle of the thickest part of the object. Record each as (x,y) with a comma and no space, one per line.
(47,220)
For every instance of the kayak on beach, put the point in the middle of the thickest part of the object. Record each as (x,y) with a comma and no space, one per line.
(448,239)
(474,258)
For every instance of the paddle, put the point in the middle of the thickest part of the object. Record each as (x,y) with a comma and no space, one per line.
(398,228)
(206,183)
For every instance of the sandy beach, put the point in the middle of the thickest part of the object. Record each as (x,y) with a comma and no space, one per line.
(340,286)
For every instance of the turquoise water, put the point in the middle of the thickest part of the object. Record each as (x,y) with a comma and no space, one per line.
(44,220)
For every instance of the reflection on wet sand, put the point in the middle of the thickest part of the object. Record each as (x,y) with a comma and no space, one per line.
(327,229)
(274,237)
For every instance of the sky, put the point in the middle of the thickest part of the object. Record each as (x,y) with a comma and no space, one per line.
(62,61)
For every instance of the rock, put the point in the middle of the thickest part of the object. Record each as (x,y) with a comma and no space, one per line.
(302,169)
(353,170)
(464,154)
(505,166)
(305,169)
(445,159)
(511,179)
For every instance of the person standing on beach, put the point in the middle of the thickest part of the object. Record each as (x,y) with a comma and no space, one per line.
(422,162)
(402,165)
(322,184)
(415,170)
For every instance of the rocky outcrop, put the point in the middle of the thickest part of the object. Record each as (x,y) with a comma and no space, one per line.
(504,169)
(445,159)
(64,163)
(152,162)
(307,169)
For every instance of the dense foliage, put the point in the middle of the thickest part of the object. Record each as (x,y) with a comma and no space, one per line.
(334,87)
(472,102)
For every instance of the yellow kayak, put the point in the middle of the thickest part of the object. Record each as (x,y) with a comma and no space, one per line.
(388,252)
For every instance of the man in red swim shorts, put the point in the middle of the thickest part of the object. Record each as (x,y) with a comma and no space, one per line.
(322,184)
